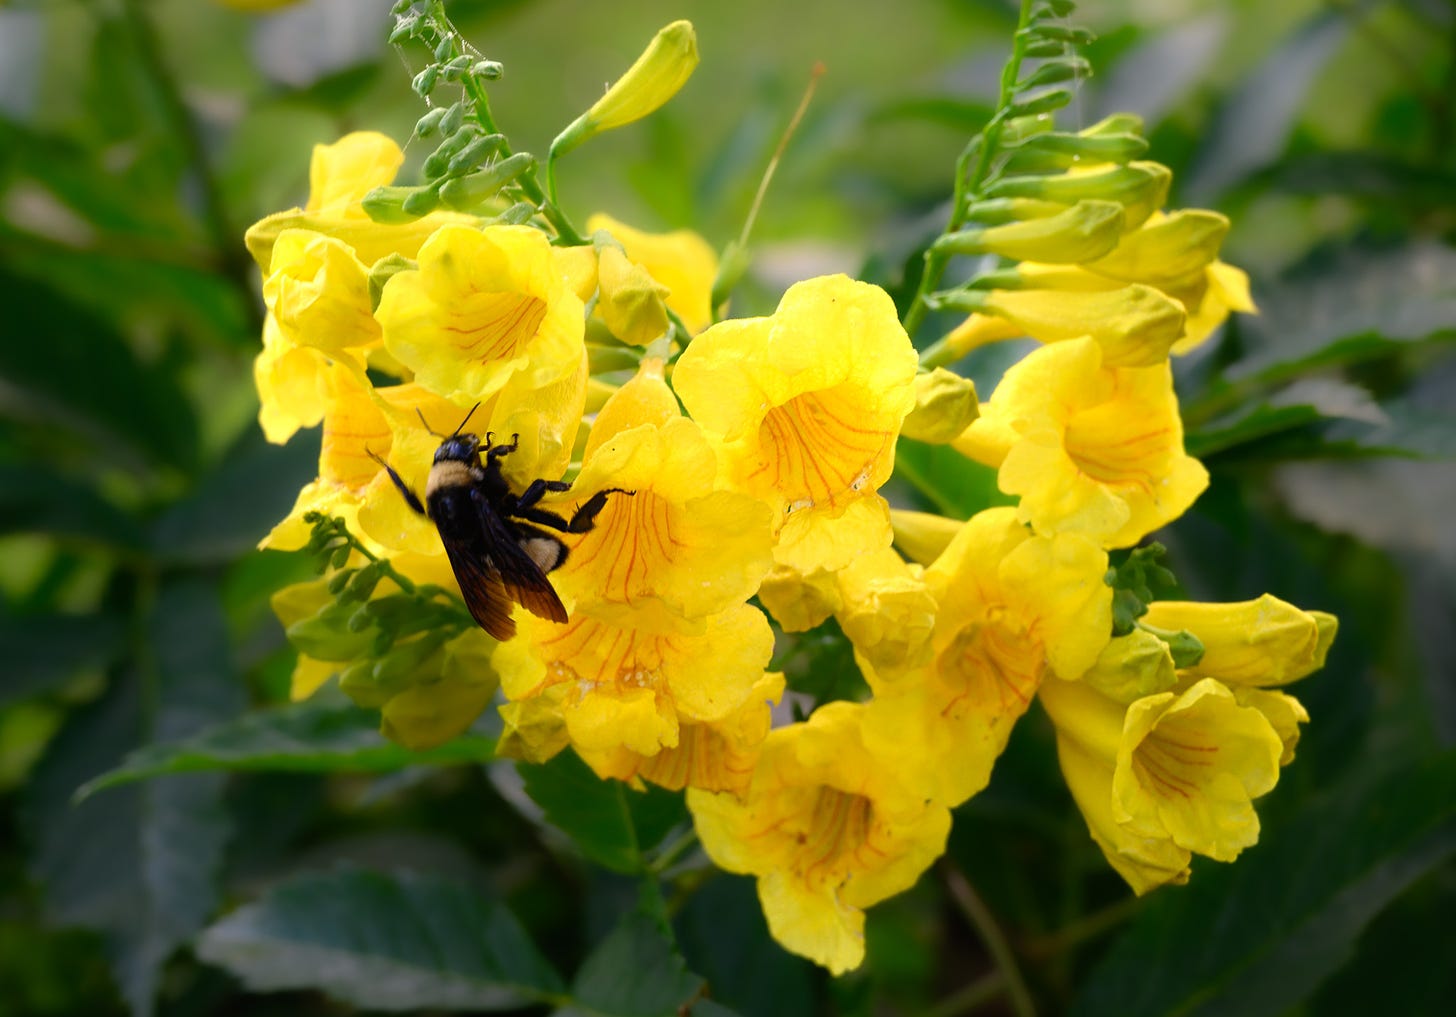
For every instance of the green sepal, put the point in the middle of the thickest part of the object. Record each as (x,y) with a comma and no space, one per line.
(1136,582)
(1186,648)
(383,270)
(1053,72)
(1048,102)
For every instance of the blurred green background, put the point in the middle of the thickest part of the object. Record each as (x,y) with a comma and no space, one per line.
(139,139)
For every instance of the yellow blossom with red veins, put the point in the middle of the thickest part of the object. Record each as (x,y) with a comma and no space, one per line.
(804,408)
(484,309)
(829,827)
(1090,449)
(1012,609)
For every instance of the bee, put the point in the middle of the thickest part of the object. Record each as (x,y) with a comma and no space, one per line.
(493,537)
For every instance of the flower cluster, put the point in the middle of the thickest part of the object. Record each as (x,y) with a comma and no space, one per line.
(751,454)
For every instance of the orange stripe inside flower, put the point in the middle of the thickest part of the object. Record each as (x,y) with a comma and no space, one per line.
(839,830)
(991,666)
(633,542)
(703,758)
(500,325)
(818,449)
(1106,446)
(1175,761)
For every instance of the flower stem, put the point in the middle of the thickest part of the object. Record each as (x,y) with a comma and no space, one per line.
(980,917)
(968,180)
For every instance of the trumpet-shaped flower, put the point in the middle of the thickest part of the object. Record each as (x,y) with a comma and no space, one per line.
(339,176)
(676,549)
(1090,449)
(1012,609)
(829,828)
(484,308)
(632,688)
(291,384)
(709,755)
(805,407)
(318,291)
(682,261)
(1168,775)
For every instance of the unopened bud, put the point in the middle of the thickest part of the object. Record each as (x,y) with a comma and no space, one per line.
(1086,231)
(662,69)
(945,405)
(631,300)
(1140,187)
(1168,251)
(1133,666)
(467,193)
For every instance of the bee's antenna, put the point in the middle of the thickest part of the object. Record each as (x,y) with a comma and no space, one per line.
(421,414)
(466,420)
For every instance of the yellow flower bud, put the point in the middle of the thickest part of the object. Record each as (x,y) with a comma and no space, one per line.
(631,301)
(1135,665)
(1167,251)
(663,68)
(1259,642)
(1135,325)
(945,405)
(1086,231)
(922,536)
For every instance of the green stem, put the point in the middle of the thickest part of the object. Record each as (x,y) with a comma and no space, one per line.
(968,182)
(970,997)
(1085,928)
(233,259)
(981,919)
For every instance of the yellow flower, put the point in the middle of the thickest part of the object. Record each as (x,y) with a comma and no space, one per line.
(318,292)
(1090,449)
(1011,609)
(631,301)
(681,260)
(805,407)
(353,427)
(339,176)
(631,688)
(799,601)
(291,384)
(1259,642)
(828,828)
(1179,771)
(675,549)
(710,755)
(1210,298)
(1136,325)
(887,611)
(484,308)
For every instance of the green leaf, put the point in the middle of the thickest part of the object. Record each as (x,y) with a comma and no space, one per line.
(950,483)
(43,651)
(222,519)
(610,823)
(1137,580)
(635,972)
(309,737)
(1289,912)
(1254,125)
(38,499)
(140,866)
(71,369)
(384,942)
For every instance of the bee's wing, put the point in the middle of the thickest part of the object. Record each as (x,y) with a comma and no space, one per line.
(518,570)
(480,584)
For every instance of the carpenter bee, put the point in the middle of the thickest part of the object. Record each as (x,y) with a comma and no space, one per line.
(496,552)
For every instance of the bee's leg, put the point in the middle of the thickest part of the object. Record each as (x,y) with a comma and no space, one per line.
(494,452)
(411,499)
(582,520)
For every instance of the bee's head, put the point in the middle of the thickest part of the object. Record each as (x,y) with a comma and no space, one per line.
(463,448)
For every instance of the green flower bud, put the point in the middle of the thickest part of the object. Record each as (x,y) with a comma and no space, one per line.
(1058,150)
(1168,252)
(433,121)
(386,204)
(1133,666)
(467,193)
(945,405)
(1140,187)
(382,271)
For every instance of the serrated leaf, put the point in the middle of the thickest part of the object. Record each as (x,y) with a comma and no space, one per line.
(635,972)
(140,866)
(1288,913)
(609,822)
(41,652)
(309,737)
(383,942)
